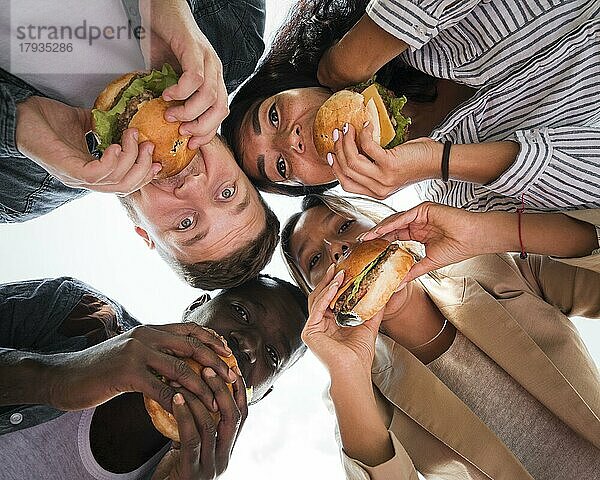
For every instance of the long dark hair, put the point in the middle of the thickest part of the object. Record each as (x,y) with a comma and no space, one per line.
(311,28)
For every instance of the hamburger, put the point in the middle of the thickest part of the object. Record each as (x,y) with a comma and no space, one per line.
(356,105)
(165,422)
(373,271)
(134,100)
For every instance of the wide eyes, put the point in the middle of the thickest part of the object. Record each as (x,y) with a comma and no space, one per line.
(186,223)
(242,313)
(227,193)
(273,116)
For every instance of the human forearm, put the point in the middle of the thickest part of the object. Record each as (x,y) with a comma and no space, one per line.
(25,378)
(359,54)
(542,233)
(478,162)
(363,433)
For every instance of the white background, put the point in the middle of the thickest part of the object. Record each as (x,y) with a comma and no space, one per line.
(288,435)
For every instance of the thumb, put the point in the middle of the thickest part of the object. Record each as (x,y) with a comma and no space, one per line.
(425,265)
(367,145)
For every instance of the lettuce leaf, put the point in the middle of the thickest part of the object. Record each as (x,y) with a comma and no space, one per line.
(156,81)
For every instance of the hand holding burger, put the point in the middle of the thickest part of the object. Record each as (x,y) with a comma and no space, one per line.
(343,350)
(166,423)
(134,101)
(204,443)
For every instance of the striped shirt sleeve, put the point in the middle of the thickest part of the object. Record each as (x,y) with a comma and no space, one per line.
(416,22)
(556,168)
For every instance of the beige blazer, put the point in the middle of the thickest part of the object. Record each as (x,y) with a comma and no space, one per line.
(516,311)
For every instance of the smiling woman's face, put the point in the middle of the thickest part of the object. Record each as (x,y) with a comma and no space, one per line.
(277,139)
(321,237)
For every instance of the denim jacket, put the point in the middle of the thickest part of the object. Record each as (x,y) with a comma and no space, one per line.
(31,316)
(27,191)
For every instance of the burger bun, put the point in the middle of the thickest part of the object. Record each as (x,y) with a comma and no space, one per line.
(170,147)
(342,107)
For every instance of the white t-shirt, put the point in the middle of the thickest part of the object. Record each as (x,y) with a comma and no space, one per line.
(90,44)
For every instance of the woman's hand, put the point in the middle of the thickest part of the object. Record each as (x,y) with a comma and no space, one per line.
(175,38)
(338,348)
(345,63)
(449,234)
(52,134)
(368,169)
(205,448)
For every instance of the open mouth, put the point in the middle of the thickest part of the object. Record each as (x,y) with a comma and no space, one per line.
(195,167)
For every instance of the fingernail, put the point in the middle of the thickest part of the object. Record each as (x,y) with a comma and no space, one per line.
(340,274)
(232,376)
(345,129)
(209,372)
(215,405)
(185,131)
(151,150)
(178,399)
(171,118)
(331,267)
(156,167)
(400,287)
(330,158)
(166,98)
(336,135)
(136,135)
(366,124)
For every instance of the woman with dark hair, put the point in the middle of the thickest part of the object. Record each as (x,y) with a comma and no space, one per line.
(476,374)
(529,129)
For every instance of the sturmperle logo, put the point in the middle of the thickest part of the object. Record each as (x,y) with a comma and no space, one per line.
(74,36)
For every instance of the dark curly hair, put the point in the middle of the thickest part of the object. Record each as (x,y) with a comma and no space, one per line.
(292,61)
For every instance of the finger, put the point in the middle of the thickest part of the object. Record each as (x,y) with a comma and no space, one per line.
(205,424)
(192,64)
(93,173)
(324,298)
(189,438)
(207,336)
(210,119)
(230,420)
(156,389)
(240,396)
(369,146)
(177,371)
(142,171)
(394,222)
(196,142)
(423,266)
(128,155)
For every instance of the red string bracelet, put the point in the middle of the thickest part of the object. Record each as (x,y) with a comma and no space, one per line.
(520,210)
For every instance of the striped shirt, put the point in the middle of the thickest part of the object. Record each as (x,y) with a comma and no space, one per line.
(537,67)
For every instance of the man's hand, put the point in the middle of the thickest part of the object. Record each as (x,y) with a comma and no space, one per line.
(358,55)
(52,134)
(175,38)
(133,362)
(376,172)
(205,448)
